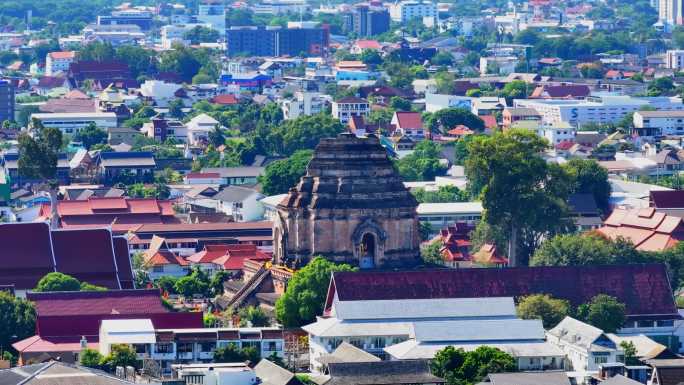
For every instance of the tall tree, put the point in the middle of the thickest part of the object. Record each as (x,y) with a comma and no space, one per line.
(459,367)
(281,175)
(38,155)
(513,178)
(604,312)
(91,135)
(17,319)
(305,294)
(591,178)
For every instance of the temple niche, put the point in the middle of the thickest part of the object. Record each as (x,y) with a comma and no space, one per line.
(351,206)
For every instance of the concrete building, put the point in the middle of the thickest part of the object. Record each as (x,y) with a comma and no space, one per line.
(658,123)
(674,59)
(56,62)
(141,18)
(602,109)
(175,34)
(240,203)
(366,20)
(441,215)
(345,108)
(6,101)
(404,11)
(72,122)
(303,104)
(234,373)
(586,346)
(213,13)
(436,102)
(298,38)
(499,65)
(558,133)
(670,12)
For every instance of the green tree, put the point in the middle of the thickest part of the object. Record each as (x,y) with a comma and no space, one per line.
(167,284)
(444,194)
(176,108)
(585,250)
(97,51)
(281,175)
(604,312)
(305,294)
(201,34)
(91,135)
(590,178)
(302,133)
(448,118)
(630,353)
(517,89)
(202,78)
(400,104)
(431,254)
(371,57)
(445,82)
(191,285)
(228,353)
(17,319)
(512,177)
(38,156)
(544,307)
(139,60)
(120,355)
(216,136)
(217,280)
(85,286)
(181,60)
(254,316)
(56,281)
(459,367)
(442,58)
(91,358)
(423,163)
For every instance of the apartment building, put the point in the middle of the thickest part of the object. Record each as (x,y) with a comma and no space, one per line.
(72,122)
(56,62)
(345,108)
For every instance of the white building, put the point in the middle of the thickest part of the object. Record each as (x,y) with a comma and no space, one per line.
(602,109)
(500,65)
(279,7)
(233,373)
(345,108)
(558,133)
(213,13)
(199,128)
(440,215)
(674,59)
(240,203)
(656,123)
(407,10)
(394,327)
(304,103)
(125,331)
(436,102)
(586,346)
(670,12)
(159,91)
(72,122)
(57,62)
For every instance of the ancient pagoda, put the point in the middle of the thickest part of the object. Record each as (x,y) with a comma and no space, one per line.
(351,206)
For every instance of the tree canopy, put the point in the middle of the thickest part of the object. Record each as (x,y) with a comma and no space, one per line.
(544,307)
(604,312)
(423,163)
(91,135)
(448,118)
(303,300)
(17,319)
(459,367)
(511,177)
(281,175)
(57,281)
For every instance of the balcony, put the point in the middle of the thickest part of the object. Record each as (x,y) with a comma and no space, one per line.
(206,355)
(185,356)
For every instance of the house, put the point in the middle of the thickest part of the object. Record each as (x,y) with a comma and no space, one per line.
(241,203)
(127,167)
(69,105)
(57,62)
(441,215)
(160,93)
(381,373)
(50,84)
(228,257)
(545,378)
(586,346)
(343,109)
(246,81)
(658,123)
(584,211)
(234,373)
(60,337)
(118,135)
(121,213)
(203,178)
(101,74)
(407,329)
(161,129)
(91,255)
(667,202)
(199,127)
(225,100)
(72,122)
(489,255)
(361,45)
(409,124)
(512,115)
(56,373)
(271,374)
(487,105)
(11,165)
(159,261)
(646,228)
(561,91)
(667,372)
(455,241)
(245,175)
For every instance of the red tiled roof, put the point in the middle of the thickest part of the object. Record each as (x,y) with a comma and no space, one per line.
(38,344)
(409,120)
(565,145)
(165,257)
(489,121)
(562,91)
(81,254)
(231,257)
(225,99)
(79,303)
(62,55)
(645,289)
(368,44)
(644,228)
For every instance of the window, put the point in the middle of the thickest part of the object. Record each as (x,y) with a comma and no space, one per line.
(665,323)
(378,342)
(357,342)
(194,379)
(600,359)
(185,348)
(163,348)
(207,346)
(644,324)
(158,269)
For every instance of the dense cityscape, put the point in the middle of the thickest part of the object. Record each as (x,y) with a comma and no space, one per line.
(306,192)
